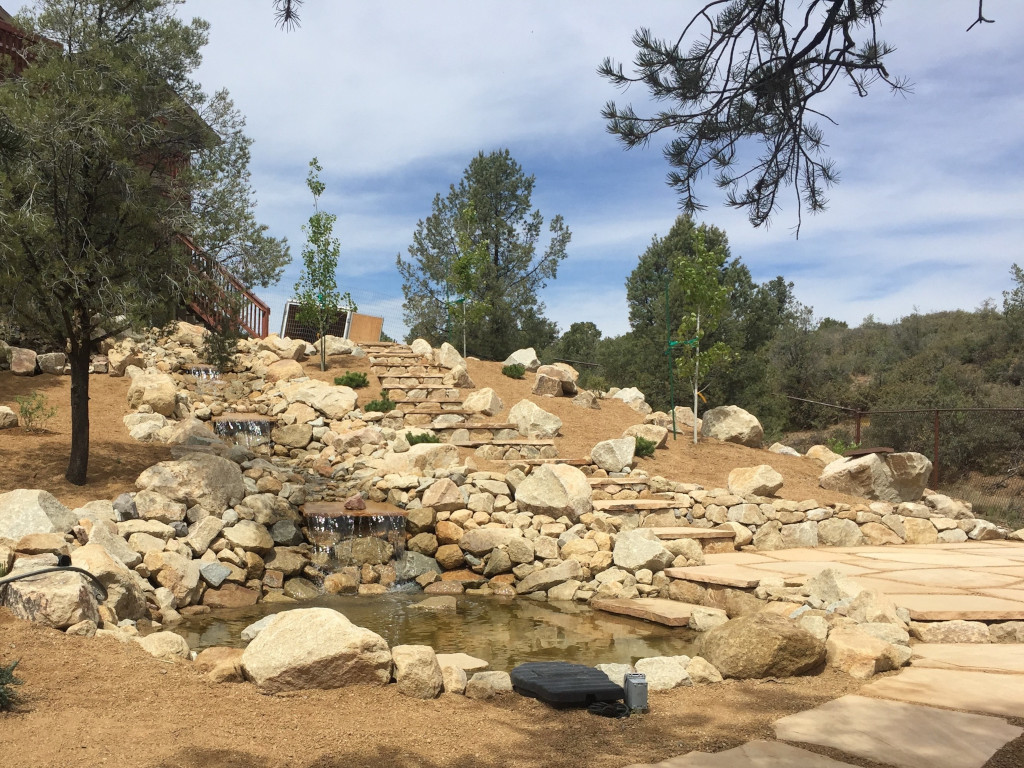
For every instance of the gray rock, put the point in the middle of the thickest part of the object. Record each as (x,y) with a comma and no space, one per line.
(286,533)
(614,455)
(212,482)
(32,511)
(214,574)
(640,548)
(57,600)
(250,632)
(545,578)
(52,362)
(410,565)
(486,685)
(524,357)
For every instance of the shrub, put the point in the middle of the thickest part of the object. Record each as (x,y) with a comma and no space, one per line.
(8,696)
(354,379)
(514,371)
(422,437)
(219,349)
(383,405)
(644,447)
(34,411)
(837,444)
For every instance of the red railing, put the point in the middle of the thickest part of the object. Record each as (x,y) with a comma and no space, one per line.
(223,297)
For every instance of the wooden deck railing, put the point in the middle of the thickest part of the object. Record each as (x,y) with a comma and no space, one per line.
(223,297)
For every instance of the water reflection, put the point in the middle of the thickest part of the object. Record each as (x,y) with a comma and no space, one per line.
(505,632)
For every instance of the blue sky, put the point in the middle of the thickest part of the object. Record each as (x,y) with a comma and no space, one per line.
(396,97)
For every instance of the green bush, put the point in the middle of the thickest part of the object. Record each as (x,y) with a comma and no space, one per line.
(644,447)
(354,379)
(34,411)
(8,696)
(514,371)
(422,437)
(383,405)
(838,444)
(219,349)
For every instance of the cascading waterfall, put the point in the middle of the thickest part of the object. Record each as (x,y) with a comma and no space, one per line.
(341,537)
(207,378)
(244,429)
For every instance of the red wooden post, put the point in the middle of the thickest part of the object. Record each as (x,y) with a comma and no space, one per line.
(935,453)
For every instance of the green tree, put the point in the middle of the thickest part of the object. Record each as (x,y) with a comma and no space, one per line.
(317,289)
(483,240)
(706,301)
(753,72)
(108,121)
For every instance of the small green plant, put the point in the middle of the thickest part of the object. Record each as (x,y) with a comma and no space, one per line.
(219,349)
(354,379)
(8,696)
(422,437)
(34,411)
(383,405)
(644,447)
(514,371)
(840,446)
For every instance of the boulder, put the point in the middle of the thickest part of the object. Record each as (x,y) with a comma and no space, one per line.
(866,476)
(8,418)
(292,435)
(732,424)
(168,646)
(565,376)
(702,672)
(124,595)
(335,345)
(910,474)
(189,334)
(52,363)
(761,645)
(417,672)
(283,370)
(212,482)
(316,648)
(443,496)
(480,541)
(483,401)
(782,450)
(151,505)
(822,454)
(533,421)
(23,361)
(634,398)
(587,399)
(861,655)
(58,599)
(155,389)
(422,347)
(250,536)
(656,434)
(614,455)
(524,357)
(547,386)
(332,402)
(761,480)
(220,664)
(33,511)
(486,685)
(421,457)
(664,673)
(836,532)
(447,356)
(555,490)
(641,548)
(546,578)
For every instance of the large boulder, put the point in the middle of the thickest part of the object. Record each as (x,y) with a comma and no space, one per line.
(8,418)
(761,480)
(23,361)
(910,474)
(732,424)
(420,458)
(57,599)
(761,645)
(52,363)
(422,347)
(533,421)
(168,646)
(634,398)
(316,648)
(32,511)
(565,376)
(484,401)
(417,672)
(447,356)
(480,541)
(866,476)
(546,578)
(283,370)
(653,432)
(155,389)
(555,490)
(822,454)
(124,595)
(212,482)
(639,549)
(335,345)
(614,455)
(524,357)
(333,402)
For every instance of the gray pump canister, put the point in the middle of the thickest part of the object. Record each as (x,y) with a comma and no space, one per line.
(635,684)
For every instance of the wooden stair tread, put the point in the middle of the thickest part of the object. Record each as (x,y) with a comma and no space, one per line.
(688,532)
(606,505)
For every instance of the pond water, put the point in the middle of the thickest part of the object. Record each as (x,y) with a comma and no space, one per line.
(504,631)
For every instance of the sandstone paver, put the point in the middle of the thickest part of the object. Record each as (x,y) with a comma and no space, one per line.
(753,754)
(899,734)
(947,607)
(977,691)
(958,578)
(671,613)
(721,575)
(968,656)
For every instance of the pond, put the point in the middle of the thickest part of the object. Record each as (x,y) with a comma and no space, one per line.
(503,631)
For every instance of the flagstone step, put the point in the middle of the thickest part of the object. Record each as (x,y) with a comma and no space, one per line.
(492,425)
(427,401)
(503,443)
(538,462)
(659,610)
(719,575)
(412,370)
(600,482)
(396,355)
(411,385)
(635,505)
(687,532)
(996,657)
(753,754)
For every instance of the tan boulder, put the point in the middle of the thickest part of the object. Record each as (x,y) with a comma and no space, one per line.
(283,370)
(417,673)
(732,424)
(761,645)
(761,480)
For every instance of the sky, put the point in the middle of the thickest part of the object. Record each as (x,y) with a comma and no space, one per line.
(395,98)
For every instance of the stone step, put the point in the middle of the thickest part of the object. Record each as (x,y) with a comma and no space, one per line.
(635,505)
(538,462)
(718,575)
(422,410)
(337,509)
(394,356)
(689,532)
(379,369)
(600,482)
(412,385)
(493,425)
(503,443)
(671,613)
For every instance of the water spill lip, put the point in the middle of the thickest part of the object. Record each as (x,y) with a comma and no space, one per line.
(332,509)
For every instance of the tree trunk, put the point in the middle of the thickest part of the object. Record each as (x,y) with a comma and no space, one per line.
(78,464)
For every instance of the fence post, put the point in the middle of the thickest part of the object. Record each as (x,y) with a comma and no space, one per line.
(935,454)
(856,438)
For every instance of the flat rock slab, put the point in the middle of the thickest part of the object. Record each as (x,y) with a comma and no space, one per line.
(970,656)
(671,613)
(720,575)
(612,505)
(753,754)
(992,692)
(682,532)
(895,733)
(463,661)
(949,607)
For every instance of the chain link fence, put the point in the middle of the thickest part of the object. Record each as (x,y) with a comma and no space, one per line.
(977,453)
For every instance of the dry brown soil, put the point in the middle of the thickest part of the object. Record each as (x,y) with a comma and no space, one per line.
(91,702)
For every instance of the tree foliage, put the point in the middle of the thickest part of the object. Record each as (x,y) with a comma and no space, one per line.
(108,119)
(746,72)
(483,241)
(317,291)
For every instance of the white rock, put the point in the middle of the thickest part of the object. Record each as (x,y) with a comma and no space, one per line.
(732,424)
(533,421)
(417,672)
(614,455)
(761,480)
(524,357)
(665,672)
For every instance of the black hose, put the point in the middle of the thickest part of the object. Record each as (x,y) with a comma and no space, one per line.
(57,569)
